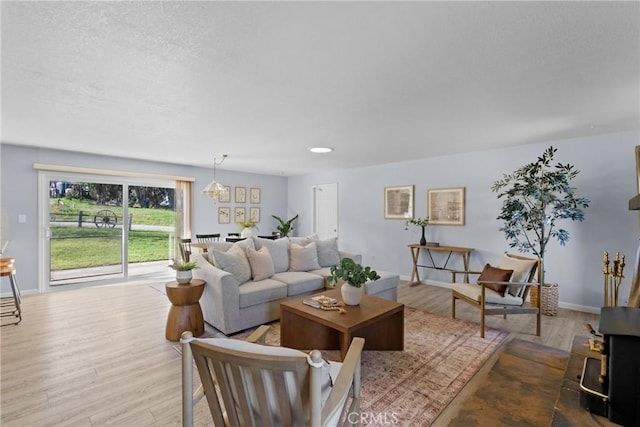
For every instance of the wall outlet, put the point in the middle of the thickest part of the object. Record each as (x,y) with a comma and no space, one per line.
(22,218)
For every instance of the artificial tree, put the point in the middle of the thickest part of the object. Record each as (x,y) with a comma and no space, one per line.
(535,198)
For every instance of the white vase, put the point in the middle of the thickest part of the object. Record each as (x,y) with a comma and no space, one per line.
(351,295)
(246,232)
(184,277)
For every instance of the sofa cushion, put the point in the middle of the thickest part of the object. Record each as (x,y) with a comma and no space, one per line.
(303,258)
(279,250)
(261,263)
(328,253)
(494,274)
(235,262)
(300,282)
(261,292)
(244,244)
(302,241)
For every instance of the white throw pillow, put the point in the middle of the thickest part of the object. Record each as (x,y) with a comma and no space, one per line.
(328,254)
(303,258)
(279,250)
(235,262)
(261,263)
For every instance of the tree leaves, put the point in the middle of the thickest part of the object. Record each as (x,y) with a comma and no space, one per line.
(535,197)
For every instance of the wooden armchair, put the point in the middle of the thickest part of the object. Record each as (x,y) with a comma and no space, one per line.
(249,384)
(499,292)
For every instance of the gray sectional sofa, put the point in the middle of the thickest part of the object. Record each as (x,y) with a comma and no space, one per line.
(247,280)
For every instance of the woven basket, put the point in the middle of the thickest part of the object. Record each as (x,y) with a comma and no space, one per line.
(549,302)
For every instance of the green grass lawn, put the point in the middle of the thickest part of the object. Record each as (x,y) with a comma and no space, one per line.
(68,210)
(91,246)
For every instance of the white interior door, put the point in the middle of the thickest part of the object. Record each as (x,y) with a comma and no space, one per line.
(325,210)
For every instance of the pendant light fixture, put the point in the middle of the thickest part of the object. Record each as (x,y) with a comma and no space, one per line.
(214,189)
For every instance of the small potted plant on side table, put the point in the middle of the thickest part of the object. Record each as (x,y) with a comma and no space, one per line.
(184,272)
(354,276)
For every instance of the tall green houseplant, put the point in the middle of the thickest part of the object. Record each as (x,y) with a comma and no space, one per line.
(536,197)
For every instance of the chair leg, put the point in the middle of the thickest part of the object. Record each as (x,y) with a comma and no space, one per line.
(538,323)
(453,306)
(482,308)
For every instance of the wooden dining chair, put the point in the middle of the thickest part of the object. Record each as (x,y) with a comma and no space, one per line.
(250,384)
(185,249)
(206,238)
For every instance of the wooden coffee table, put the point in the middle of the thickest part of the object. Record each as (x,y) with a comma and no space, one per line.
(379,321)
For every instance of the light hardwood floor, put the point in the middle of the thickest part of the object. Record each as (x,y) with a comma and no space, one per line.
(97,356)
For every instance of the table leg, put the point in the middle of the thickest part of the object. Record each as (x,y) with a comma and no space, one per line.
(465,261)
(415,277)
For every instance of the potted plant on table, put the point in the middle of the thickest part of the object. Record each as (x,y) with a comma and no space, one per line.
(246,227)
(535,198)
(420,222)
(285,227)
(354,276)
(184,271)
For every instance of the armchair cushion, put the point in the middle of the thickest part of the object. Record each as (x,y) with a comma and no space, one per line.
(494,274)
(490,297)
(521,270)
(261,263)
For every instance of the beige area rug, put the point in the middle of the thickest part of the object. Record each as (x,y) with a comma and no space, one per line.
(412,387)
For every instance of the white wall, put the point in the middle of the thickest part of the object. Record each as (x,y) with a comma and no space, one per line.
(607,178)
(19,186)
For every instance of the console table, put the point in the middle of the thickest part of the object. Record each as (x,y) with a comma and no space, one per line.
(415,254)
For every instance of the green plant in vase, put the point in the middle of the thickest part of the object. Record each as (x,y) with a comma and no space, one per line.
(536,197)
(184,271)
(354,275)
(420,222)
(285,227)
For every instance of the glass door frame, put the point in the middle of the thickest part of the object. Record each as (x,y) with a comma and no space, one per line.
(44,234)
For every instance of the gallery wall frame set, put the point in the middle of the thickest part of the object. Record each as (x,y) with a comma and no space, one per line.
(446,206)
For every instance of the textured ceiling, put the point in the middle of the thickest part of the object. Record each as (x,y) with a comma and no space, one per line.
(263,81)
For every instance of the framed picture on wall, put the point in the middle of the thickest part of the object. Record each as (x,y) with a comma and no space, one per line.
(254,195)
(254,214)
(241,195)
(226,196)
(446,206)
(224,215)
(239,214)
(398,202)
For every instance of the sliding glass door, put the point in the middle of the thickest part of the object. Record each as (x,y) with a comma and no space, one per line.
(106,227)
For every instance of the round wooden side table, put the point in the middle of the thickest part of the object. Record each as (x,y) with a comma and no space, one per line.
(185,313)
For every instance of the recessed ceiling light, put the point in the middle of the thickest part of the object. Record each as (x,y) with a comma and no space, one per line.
(321,150)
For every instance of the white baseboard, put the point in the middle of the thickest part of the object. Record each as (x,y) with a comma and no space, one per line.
(568,306)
